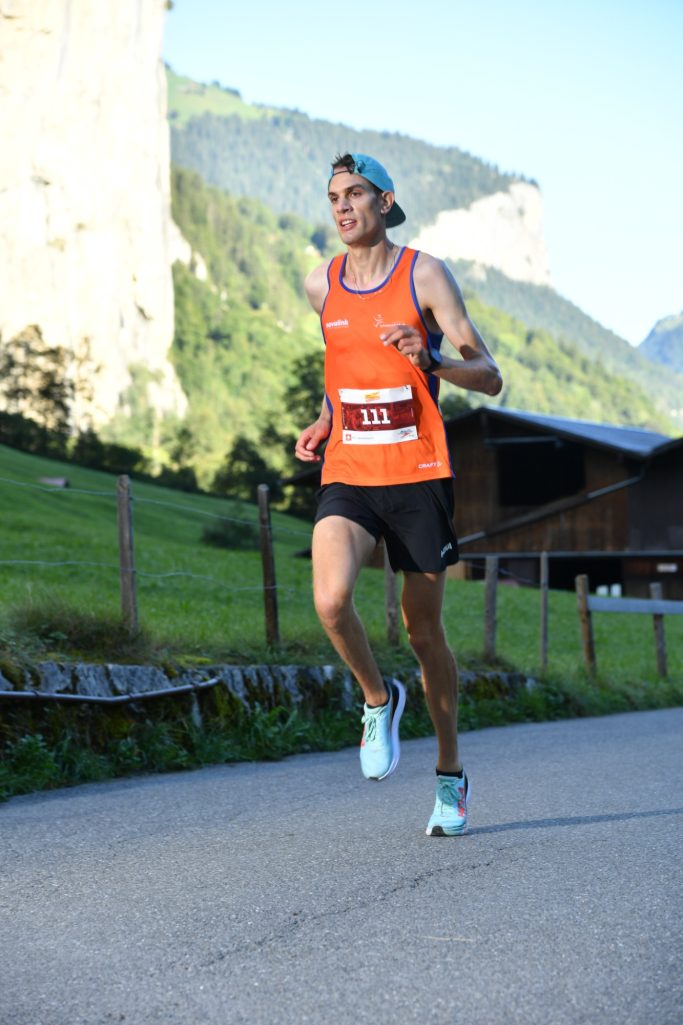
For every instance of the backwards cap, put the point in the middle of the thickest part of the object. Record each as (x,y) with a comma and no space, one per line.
(378,175)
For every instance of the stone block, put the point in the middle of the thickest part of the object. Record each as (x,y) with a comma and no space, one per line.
(92,681)
(233,680)
(55,678)
(5,684)
(136,679)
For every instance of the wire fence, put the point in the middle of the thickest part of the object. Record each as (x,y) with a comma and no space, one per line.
(135,565)
(256,533)
(177,561)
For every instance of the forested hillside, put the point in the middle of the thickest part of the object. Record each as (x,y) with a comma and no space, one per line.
(249,353)
(281,156)
(541,308)
(239,333)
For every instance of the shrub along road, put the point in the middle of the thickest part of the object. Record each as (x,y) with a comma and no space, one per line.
(297,892)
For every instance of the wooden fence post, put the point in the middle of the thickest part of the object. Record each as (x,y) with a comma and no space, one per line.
(124,507)
(543,585)
(268,562)
(586,623)
(390,601)
(490,606)
(658,624)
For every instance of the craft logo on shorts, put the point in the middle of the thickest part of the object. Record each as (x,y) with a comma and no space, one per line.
(446,548)
(337,323)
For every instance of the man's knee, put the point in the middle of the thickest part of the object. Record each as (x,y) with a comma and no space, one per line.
(424,636)
(332,607)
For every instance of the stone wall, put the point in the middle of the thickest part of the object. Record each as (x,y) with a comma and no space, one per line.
(85,221)
(268,687)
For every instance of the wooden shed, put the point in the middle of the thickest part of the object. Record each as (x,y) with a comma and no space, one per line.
(600,499)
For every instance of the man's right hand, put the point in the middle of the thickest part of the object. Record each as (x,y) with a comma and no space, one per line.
(309,439)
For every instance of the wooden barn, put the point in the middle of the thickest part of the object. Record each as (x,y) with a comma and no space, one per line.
(600,499)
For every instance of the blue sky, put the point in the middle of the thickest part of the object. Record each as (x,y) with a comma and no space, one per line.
(586,98)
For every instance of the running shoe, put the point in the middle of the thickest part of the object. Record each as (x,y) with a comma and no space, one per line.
(379,746)
(449,817)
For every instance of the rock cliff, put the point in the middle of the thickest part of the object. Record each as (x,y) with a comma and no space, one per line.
(504,230)
(85,224)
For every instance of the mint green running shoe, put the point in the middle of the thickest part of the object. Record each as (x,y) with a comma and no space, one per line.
(379,747)
(449,817)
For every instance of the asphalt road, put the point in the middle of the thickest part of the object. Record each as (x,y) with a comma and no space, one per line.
(297,892)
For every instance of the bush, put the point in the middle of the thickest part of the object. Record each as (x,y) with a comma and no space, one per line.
(230,534)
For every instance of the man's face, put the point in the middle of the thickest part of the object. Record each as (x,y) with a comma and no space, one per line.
(356,206)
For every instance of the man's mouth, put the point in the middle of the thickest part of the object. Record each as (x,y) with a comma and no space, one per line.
(346,224)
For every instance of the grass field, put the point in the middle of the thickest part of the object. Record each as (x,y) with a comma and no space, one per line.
(59,565)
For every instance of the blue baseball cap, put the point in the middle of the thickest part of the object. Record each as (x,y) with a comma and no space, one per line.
(377,174)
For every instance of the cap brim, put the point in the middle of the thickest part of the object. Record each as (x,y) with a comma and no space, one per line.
(395,216)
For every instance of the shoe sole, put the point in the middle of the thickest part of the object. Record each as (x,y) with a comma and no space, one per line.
(396,718)
(440,831)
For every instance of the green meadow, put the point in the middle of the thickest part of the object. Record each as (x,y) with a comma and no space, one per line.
(199,603)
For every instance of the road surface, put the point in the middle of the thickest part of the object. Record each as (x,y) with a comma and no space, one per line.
(297,892)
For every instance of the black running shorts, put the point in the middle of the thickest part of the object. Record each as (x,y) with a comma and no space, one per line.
(415,520)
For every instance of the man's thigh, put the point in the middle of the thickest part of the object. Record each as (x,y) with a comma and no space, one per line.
(340,550)
(422,599)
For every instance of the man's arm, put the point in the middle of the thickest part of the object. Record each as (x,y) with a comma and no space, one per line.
(315,287)
(443,308)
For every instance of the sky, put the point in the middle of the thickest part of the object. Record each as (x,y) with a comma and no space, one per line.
(585,98)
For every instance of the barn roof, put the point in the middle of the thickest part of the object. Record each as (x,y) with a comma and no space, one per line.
(633,440)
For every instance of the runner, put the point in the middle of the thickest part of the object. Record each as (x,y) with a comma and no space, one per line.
(384,311)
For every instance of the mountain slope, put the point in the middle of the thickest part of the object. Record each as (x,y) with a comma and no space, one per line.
(540,307)
(239,332)
(664,344)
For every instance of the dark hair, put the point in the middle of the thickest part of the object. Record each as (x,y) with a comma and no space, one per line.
(346,160)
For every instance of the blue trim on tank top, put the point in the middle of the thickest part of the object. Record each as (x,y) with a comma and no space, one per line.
(322,308)
(368,291)
(434,338)
(329,406)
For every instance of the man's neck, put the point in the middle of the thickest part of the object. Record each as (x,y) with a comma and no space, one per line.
(368,265)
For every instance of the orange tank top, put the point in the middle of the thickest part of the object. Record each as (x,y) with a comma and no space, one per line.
(386,423)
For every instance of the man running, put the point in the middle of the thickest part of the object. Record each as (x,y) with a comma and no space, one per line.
(384,311)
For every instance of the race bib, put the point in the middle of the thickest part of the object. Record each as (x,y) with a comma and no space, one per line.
(384,416)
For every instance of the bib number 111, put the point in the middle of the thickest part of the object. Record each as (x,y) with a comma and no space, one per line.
(374,416)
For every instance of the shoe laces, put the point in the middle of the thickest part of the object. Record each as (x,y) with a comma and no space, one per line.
(451,794)
(371,719)
(370,727)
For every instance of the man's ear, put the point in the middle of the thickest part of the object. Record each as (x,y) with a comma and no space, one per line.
(387,202)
